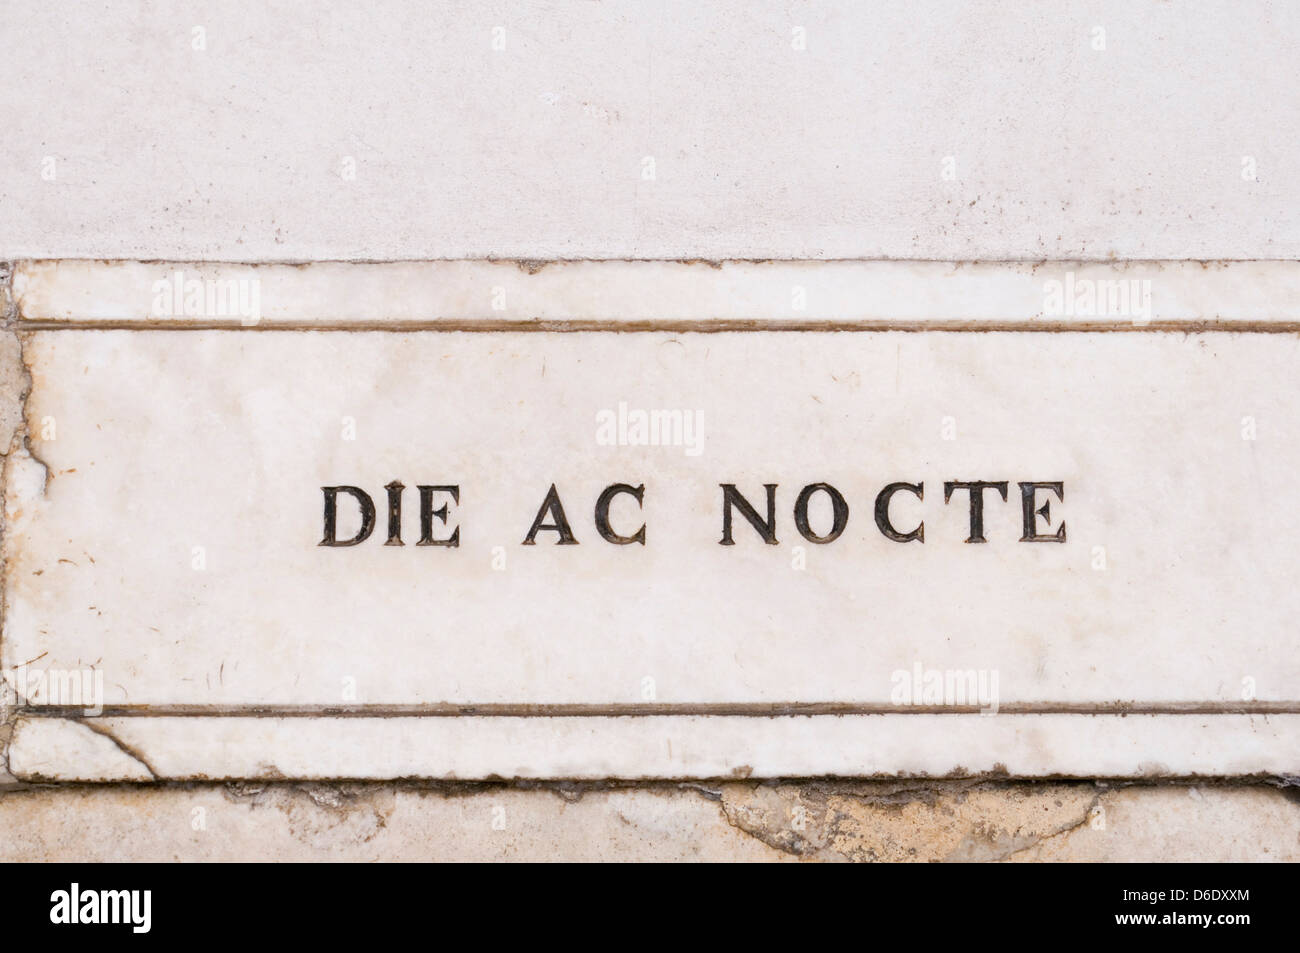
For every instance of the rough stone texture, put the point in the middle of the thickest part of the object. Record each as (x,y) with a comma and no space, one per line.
(813,821)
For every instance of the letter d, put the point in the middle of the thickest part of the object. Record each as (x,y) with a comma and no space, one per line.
(331,515)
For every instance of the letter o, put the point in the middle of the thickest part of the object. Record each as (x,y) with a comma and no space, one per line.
(839,511)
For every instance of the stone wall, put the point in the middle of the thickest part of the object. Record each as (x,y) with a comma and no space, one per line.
(403,130)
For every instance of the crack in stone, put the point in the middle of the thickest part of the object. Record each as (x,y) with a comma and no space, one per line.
(1063,830)
(122,746)
(747,831)
(23,432)
(709,793)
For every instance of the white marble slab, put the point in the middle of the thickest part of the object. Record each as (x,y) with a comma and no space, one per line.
(165,509)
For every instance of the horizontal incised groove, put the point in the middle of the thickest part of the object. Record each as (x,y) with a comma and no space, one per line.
(691,327)
(668,709)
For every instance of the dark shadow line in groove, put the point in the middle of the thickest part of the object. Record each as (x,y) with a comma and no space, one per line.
(657,710)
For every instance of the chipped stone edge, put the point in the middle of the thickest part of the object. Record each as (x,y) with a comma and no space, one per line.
(9,445)
(15,451)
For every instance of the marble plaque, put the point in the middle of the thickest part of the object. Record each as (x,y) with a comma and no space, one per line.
(652,520)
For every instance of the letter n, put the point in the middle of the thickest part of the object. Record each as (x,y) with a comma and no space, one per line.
(766,528)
